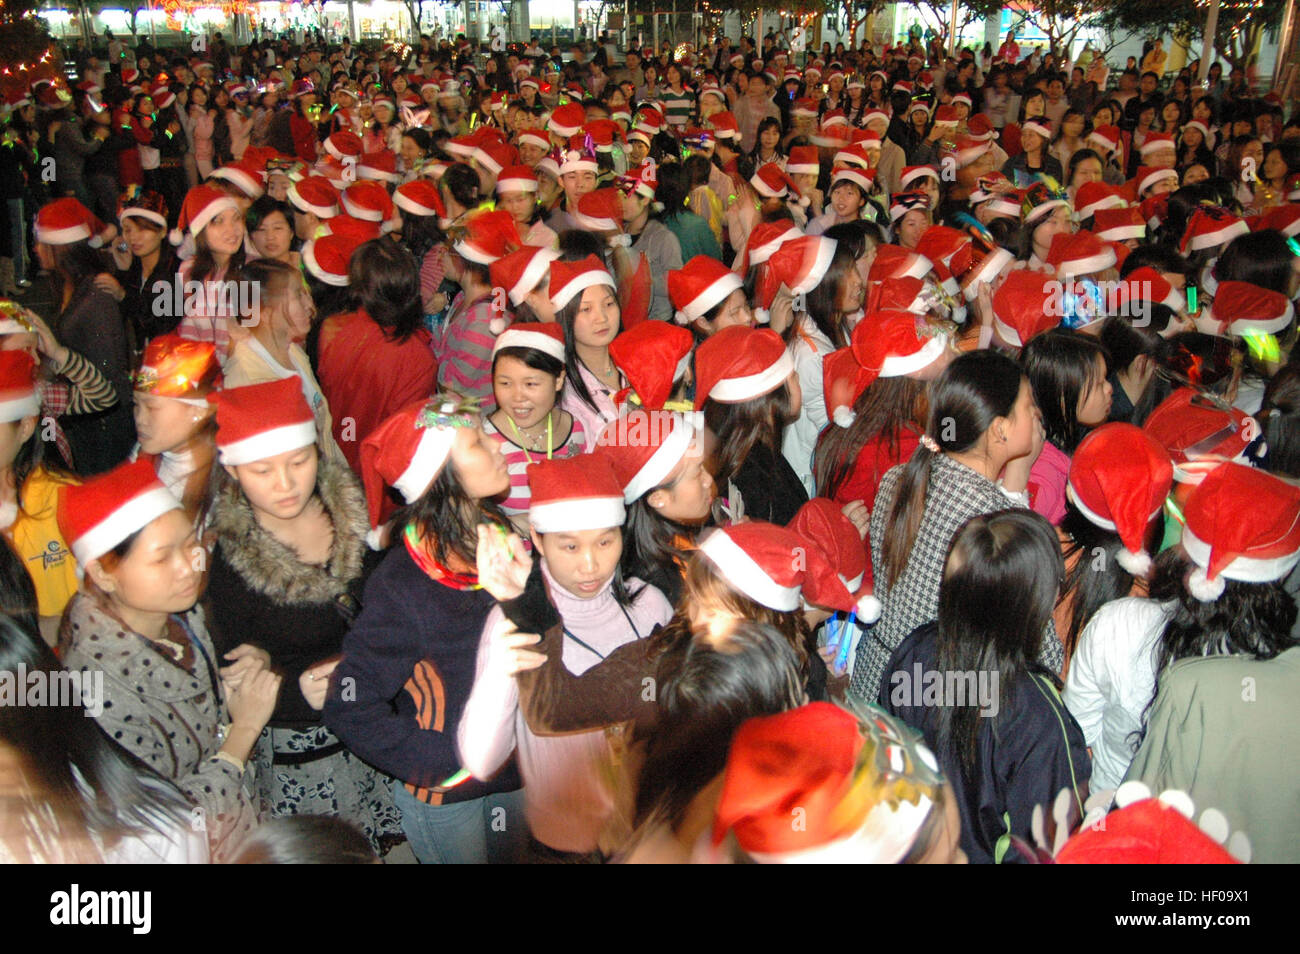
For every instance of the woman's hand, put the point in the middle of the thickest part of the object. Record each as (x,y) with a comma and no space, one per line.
(314,683)
(46,343)
(508,650)
(110,285)
(858,515)
(253,700)
(246,660)
(503,564)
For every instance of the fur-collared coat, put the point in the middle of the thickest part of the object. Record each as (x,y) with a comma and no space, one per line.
(261,593)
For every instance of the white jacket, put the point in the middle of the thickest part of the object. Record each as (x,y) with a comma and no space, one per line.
(1112,679)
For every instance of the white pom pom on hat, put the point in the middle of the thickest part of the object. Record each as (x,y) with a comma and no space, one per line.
(1203,588)
(844,416)
(869,608)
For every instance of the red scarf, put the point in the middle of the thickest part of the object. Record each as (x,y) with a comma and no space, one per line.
(422,553)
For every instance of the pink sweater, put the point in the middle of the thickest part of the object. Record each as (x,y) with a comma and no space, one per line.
(1047,483)
(566,794)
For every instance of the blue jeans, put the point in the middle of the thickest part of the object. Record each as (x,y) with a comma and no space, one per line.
(479,831)
(18,238)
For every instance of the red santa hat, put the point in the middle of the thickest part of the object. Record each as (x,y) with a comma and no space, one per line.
(1039,125)
(521,271)
(945,116)
(1024,306)
(65,221)
(161,95)
(18,398)
(852,155)
(1155,141)
(952,247)
(700,285)
(1240,523)
(344,144)
(1283,218)
(803,161)
(380,165)
(347,226)
(408,451)
(1119,479)
(316,195)
(875,116)
(488,237)
(799,264)
(495,156)
(574,493)
(764,562)
(1092,197)
(805,107)
(901,203)
(600,211)
(653,357)
(644,446)
(740,364)
(862,178)
(369,201)
(1242,308)
(567,120)
(969,151)
(914,173)
(577,157)
(573,278)
(1199,432)
(1210,227)
(98,514)
(516,178)
(244,176)
(725,125)
(1106,137)
(329,256)
(1154,831)
(643,180)
(1119,224)
(546,337)
(420,197)
(771,182)
(980,128)
(532,137)
(987,263)
(258,421)
(764,240)
(1145,284)
(1147,177)
(1079,253)
(822,524)
(202,204)
(885,344)
(894,261)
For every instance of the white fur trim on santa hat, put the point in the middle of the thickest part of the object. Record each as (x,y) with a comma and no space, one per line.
(135,212)
(131,516)
(1243,568)
(279,440)
(825,252)
(750,386)
(901,365)
(661,463)
(710,296)
(570,516)
(430,454)
(28,405)
(580,283)
(526,338)
(516,185)
(742,572)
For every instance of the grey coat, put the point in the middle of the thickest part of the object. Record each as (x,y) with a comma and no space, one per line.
(955,494)
(163,714)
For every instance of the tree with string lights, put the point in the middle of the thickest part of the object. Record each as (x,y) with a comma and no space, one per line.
(1241,23)
(26,47)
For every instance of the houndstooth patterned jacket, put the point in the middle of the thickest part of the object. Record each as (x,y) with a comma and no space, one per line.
(956,493)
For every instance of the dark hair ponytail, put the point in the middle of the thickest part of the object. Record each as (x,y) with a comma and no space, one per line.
(964,401)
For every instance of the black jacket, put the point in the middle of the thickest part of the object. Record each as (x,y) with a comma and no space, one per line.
(1026,752)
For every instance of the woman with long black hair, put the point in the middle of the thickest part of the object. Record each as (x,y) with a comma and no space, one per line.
(1008,745)
(983,434)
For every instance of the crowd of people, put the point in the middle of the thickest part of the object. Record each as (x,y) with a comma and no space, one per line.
(737,456)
